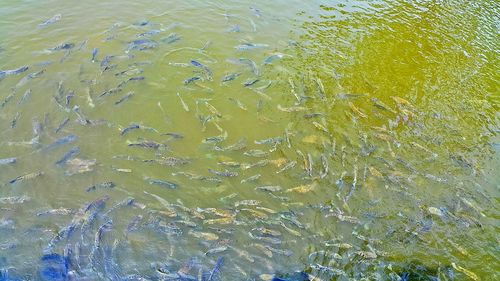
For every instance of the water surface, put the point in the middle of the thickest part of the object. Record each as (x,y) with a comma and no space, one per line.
(363,145)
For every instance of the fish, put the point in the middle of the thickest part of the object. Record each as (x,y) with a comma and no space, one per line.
(62,46)
(253,66)
(287,166)
(160,182)
(230,77)
(141,45)
(286,253)
(251,178)
(95,51)
(28,77)
(191,80)
(204,67)
(465,271)
(256,153)
(7,98)
(320,127)
(302,188)
(15,119)
(263,249)
(170,161)
(63,140)
(224,173)
(25,97)
(79,166)
(54,19)
(108,184)
(149,33)
(250,82)
(239,145)
(26,177)
(260,163)
(216,271)
(227,220)
(292,108)
(216,139)
(14,199)
(274,140)
(357,110)
(278,56)
(167,205)
(247,203)
(239,104)
(6,161)
(58,212)
(269,188)
(250,46)
(326,167)
(174,135)
(204,235)
(63,123)
(171,38)
(126,97)
(72,153)
(129,128)
(123,83)
(184,105)
(16,71)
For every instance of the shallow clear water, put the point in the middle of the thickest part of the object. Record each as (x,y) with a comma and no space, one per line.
(371,135)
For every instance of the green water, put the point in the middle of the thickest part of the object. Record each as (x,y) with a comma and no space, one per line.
(384,160)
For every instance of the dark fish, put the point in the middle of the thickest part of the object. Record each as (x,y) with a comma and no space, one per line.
(52,20)
(108,184)
(63,140)
(13,71)
(173,135)
(14,120)
(55,267)
(129,128)
(124,98)
(250,82)
(146,144)
(6,161)
(204,67)
(63,123)
(192,79)
(164,183)
(94,54)
(62,46)
(70,95)
(142,23)
(69,155)
(141,45)
(106,61)
(215,273)
(110,91)
(139,78)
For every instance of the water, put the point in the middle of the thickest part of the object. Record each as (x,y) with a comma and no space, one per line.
(383,114)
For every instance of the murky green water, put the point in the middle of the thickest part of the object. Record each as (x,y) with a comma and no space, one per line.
(363,145)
